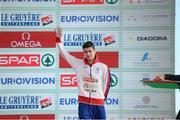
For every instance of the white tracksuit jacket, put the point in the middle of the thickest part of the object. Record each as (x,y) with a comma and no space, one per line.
(93,80)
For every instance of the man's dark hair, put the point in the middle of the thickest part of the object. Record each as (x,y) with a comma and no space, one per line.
(88,44)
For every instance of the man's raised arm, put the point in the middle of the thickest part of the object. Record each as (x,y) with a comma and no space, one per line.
(69,58)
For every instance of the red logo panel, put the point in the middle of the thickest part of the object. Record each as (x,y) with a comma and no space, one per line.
(19,60)
(27,40)
(78,2)
(28,117)
(68,80)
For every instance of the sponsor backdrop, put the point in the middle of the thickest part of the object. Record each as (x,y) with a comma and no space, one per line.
(135,38)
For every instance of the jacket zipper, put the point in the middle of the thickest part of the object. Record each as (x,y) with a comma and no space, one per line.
(90,89)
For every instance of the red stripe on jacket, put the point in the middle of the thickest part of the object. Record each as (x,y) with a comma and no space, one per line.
(93,101)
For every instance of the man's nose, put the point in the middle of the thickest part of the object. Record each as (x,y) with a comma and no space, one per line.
(88,53)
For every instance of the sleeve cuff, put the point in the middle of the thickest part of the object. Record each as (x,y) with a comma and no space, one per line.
(58,40)
(169,77)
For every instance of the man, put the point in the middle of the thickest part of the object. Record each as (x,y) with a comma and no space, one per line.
(169,77)
(93,80)
(165,77)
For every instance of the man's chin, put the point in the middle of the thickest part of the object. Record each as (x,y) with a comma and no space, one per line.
(89,59)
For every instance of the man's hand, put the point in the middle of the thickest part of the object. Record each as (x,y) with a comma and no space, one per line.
(160,77)
(58,34)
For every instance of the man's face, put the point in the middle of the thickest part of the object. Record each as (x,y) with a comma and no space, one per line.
(89,53)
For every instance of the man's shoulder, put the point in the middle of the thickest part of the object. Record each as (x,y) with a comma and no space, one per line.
(103,64)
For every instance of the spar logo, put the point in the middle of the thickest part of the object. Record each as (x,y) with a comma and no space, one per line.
(26,42)
(90,2)
(70,80)
(114,80)
(47,60)
(26,60)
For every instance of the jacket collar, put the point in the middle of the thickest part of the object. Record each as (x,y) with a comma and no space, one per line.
(95,61)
